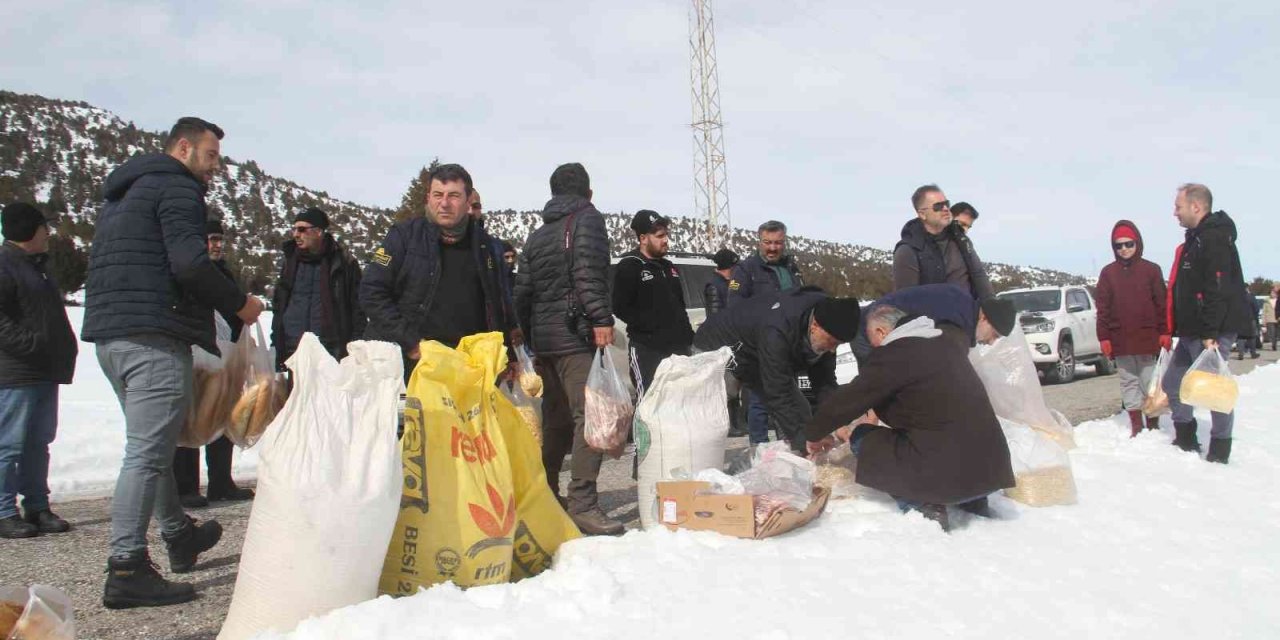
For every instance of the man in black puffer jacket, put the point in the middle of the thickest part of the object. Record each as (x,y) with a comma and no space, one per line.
(150,295)
(562,300)
(37,353)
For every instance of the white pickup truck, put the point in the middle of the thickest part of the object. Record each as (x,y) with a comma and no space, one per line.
(1061,328)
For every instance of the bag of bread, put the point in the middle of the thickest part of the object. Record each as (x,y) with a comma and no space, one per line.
(264,391)
(1209,384)
(1157,401)
(37,613)
(212,396)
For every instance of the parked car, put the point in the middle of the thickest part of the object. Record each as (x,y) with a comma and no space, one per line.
(1061,328)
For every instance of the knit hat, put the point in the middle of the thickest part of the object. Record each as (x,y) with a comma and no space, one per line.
(1000,313)
(1123,231)
(213,228)
(646,221)
(725,259)
(19,221)
(314,217)
(839,317)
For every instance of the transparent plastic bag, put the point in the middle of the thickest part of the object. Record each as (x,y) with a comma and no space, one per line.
(780,475)
(1041,467)
(836,469)
(1013,386)
(1157,401)
(1209,384)
(529,408)
(608,407)
(37,613)
(264,391)
(212,397)
(528,377)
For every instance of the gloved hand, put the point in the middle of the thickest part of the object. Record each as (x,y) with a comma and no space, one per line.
(1106,348)
(1166,342)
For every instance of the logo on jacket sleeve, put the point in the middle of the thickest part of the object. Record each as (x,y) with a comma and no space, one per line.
(382,257)
(645,276)
(734,286)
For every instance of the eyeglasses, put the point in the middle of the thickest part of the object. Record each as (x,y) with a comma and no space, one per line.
(945,205)
(1124,245)
(302,229)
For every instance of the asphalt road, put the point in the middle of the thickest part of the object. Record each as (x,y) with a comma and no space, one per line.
(75,561)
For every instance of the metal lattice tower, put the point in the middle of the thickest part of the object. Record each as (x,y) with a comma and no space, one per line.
(710,184)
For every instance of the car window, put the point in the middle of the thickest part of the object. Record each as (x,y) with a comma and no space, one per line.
(1040,301)
(695,278)
(1077,297)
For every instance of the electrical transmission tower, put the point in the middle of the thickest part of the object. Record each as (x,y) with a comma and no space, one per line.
(710,184)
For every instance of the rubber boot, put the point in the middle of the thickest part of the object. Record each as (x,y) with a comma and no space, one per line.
(1135,423)
(1153,423)
(1219,450)
(135,582)
(1185,437)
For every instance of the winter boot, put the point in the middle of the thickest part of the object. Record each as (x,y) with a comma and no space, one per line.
(1135,423)
(229,494)
(1219,450)
(594,522)
(1185,437)
(46,521)
(936,513)
(136,582)
(189,542)
(979,507)
(193,501)
(15,527)
(1153,423)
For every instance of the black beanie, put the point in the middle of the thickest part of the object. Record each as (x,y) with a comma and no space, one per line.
(839,317)
(213,228)
(725,259)
(314,217)
(19,221)
(1000,313)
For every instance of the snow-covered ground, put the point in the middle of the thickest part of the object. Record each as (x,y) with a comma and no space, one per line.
(1161,545)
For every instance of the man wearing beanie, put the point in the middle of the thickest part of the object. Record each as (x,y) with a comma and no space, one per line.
(716,294)
(778,336)
(435,277)
(150,295)
(946,446)
(217,454)
(649,296)
(317,292)
(37,353)
(1132,323)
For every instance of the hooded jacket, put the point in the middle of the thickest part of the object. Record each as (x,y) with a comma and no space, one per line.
(149,267)
(754,277)
(562,287)
(37,344)
(346,320)
(648,295)
(769,336)
(920,258)
(1210,298)
(1131,300)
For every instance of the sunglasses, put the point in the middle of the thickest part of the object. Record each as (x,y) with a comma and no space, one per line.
(942,206)
(1124,245)
(301,229)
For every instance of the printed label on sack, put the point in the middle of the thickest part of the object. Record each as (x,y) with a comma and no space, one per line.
(413,458)
(669,511)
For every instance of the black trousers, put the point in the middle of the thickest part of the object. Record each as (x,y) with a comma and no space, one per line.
(186,467)
(644,363)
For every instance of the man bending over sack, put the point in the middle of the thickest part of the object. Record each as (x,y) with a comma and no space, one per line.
(776,336)
(946,446)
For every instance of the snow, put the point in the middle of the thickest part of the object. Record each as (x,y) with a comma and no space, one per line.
(1161,545)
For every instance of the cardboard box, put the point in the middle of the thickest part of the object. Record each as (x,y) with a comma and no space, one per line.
(680,507)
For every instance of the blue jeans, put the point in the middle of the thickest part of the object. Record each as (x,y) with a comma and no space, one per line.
(757,418)
(28,424)
(1184,354)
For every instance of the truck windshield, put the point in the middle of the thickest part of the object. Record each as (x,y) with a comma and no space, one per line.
(1035,300)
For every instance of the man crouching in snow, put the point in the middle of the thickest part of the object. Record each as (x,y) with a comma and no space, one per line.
(945,446)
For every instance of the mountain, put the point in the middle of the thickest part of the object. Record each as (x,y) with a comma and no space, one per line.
(57,153)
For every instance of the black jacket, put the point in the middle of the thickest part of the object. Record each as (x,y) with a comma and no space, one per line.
(946,444)
(401,279)
(649,296)
(769,335)
(37,344)
(753,277)
(347,320)
(149,268)
(918,259)
(716,294)
(556,310)
(1210,298)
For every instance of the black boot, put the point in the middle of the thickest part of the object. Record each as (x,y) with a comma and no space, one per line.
(15,527)
(980,507)
(192,501)
(1185,437)
(1219,450)
(594,522)
(136,582)
(189,542)
(47,521)
(231,494)
(936,513)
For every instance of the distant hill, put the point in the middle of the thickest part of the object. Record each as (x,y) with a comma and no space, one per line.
(57,153)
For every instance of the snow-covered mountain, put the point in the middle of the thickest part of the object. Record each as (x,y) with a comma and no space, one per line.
(58,153)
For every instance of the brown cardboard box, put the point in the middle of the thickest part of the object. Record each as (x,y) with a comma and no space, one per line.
(680,507)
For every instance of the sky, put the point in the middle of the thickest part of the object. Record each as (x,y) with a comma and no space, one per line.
(1054,121)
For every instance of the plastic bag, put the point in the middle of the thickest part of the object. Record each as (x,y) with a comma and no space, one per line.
(265,391)
(212,397)
(36,613)
(1209,384)
(608,407)
(528,378)
(682,423)
(1041,467)
(780,475)
(1013,386)
(837,469)
(529,408)
(328,491)
(1157,401)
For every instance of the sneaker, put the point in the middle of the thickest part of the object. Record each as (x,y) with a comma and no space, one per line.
(47,521)
(189,542)
(234,494)
(594,522)
(15,527)
(193,501)
(136,582)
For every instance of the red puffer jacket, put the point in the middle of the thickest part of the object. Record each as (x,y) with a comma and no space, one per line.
(1132,303)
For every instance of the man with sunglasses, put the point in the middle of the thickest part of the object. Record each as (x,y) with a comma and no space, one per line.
(1132,323)
(934,250)
(318,290)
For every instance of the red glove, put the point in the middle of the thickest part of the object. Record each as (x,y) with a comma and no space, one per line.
(1106,348)
(1166,342)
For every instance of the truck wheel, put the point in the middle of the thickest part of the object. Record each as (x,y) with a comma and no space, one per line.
(1065,370)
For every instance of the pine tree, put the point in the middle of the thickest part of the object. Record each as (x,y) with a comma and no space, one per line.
(67,264)
(414,203)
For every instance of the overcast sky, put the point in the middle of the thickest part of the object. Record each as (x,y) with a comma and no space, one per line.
(1054,120)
